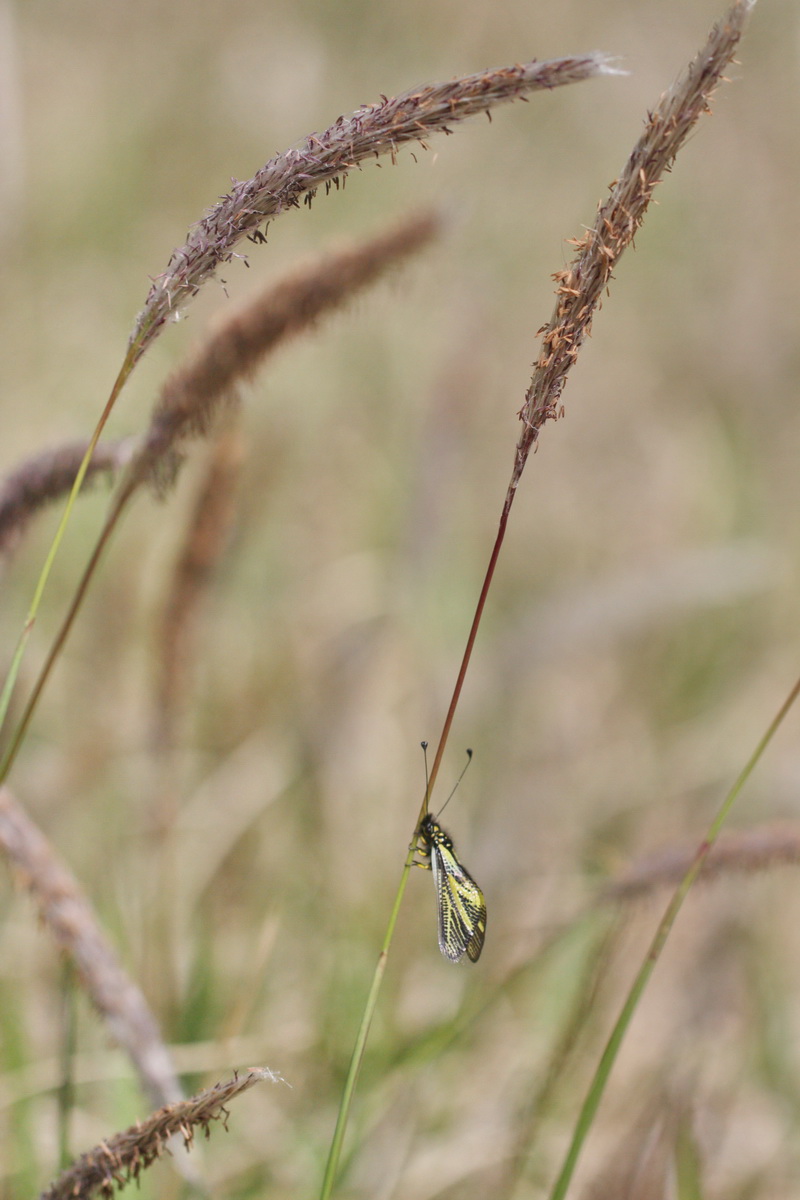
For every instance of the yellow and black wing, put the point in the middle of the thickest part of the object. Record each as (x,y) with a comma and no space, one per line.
(460,902)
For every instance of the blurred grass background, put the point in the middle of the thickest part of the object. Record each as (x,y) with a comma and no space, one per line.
(641,631)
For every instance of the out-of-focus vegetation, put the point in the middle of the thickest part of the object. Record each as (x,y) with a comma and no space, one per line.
(642,629)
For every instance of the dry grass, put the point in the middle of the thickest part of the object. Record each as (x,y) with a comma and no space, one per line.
(122,1158)
(326,159)
(322,622)
(68,917)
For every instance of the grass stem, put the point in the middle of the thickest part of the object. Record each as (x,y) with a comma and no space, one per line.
(609,1055)
(473,633)
(33,611)
(334,1154)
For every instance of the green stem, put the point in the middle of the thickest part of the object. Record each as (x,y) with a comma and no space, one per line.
(609,1055)
(77,600)
(345,1103)
(33,611)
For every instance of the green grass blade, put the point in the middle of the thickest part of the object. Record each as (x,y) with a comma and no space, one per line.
(348,1091)
(688,1164)
(609,1055)
(33,611)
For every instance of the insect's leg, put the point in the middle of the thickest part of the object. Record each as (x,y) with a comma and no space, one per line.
(420,849)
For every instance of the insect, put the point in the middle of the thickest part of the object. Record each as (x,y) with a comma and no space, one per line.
(460,902)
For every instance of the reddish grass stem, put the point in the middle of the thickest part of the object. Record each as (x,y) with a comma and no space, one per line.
(33,611)
(473,633)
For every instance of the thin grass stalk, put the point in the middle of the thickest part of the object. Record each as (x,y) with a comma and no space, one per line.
(41,584)
(609,1056)
(196,565)
(194,397)
(462,672)
(687,1161)
(345,1104)
(15,742)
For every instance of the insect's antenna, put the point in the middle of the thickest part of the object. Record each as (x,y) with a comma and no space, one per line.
(457,782)
(427,779)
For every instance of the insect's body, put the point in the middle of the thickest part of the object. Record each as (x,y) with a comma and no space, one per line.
(460,902)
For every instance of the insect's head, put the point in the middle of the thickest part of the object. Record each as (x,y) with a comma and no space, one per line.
(427,824)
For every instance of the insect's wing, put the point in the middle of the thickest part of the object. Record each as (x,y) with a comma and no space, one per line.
(462,907)
(475,943)
(447,945)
